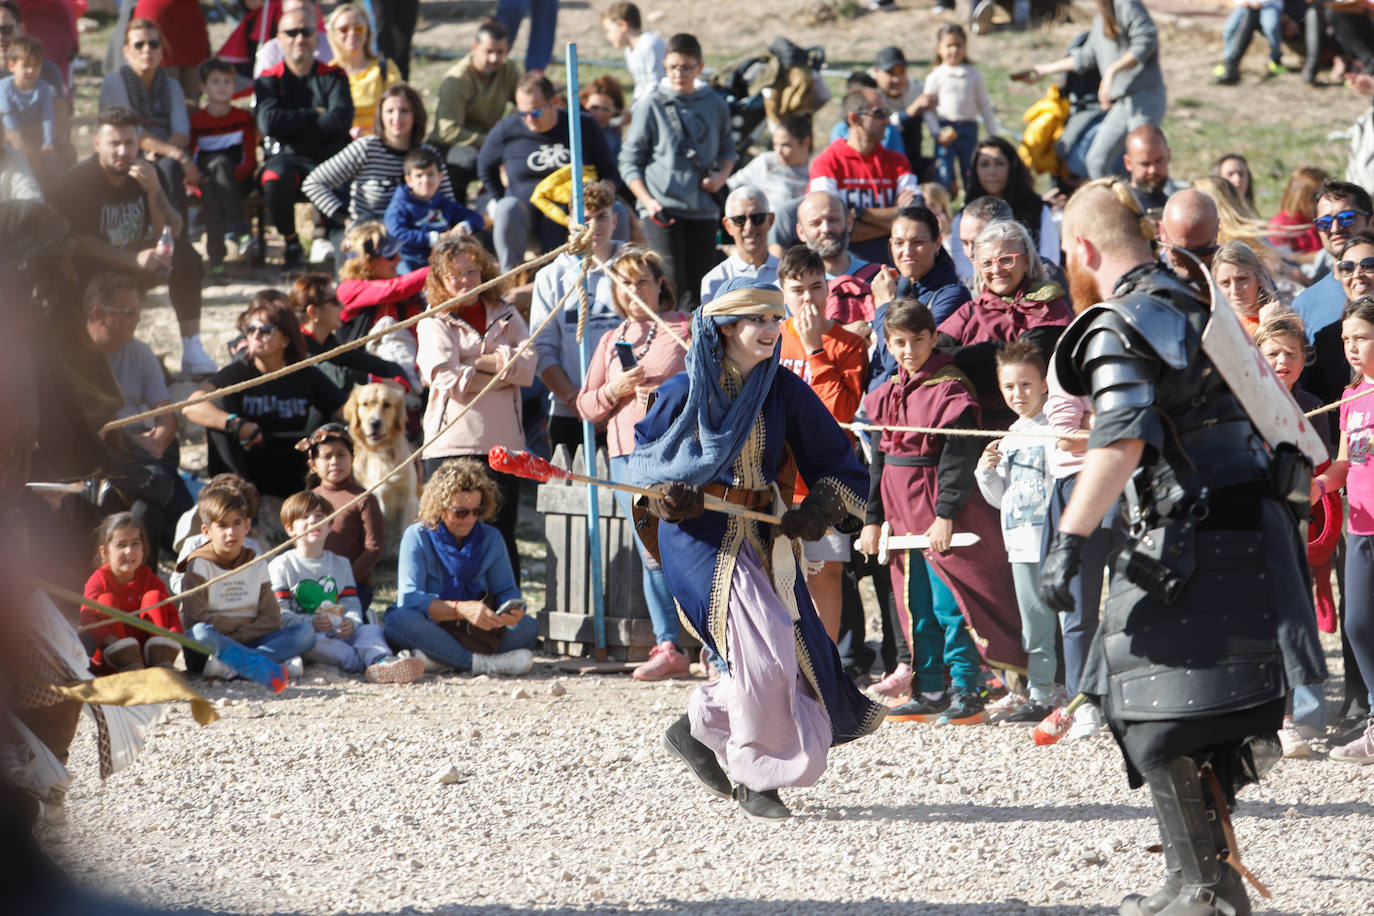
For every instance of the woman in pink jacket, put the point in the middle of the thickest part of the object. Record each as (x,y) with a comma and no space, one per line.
(461,351)
(617,398)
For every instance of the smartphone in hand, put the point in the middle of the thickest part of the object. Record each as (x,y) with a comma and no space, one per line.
(626,354)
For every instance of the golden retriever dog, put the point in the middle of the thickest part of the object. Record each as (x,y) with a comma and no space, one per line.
(376,417)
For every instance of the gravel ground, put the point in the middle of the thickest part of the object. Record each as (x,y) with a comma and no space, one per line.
(326,799)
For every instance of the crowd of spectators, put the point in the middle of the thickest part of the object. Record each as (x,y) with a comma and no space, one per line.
(412,208)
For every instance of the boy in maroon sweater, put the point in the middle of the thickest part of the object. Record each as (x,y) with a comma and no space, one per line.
(224,141)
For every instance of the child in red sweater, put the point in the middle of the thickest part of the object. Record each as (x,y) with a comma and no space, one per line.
(125,582)
(224,141)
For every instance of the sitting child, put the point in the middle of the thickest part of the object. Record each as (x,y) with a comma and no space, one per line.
(240,608)
(125,582)
(187,536)
(28,107)
(315,586)
(419,214)
(1014,474)
(359,534)
(224,141)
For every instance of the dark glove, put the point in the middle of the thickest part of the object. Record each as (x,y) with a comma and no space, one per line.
(1057,572)
(681,501)
(805,522)
(809,521)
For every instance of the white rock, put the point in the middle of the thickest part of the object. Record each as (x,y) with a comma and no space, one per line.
(556,689)
(447,776)
(520,693)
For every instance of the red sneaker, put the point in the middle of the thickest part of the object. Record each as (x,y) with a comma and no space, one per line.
(665,661)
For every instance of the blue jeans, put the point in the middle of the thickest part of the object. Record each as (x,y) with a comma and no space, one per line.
(411,629)
(662,607)
(942,638)
(953,161)
(543,21)
(1240,28)
(1038,625)
(279,645)
(1307,707)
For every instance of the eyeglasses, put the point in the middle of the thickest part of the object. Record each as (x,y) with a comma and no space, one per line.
(1348,268)
(758,219)
(1345,219)
(601,108)
(534,114)
(462,512)
(1004,261)
(152,43)
(883,113)
(358,30)
(304,31)
(1200,252)
(259,330)
(122,313)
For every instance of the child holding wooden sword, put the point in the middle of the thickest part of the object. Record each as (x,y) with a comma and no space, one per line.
(924,483)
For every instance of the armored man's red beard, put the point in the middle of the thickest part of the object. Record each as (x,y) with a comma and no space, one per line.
(1083,291)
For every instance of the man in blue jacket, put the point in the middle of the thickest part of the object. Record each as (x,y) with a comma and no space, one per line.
(924,272)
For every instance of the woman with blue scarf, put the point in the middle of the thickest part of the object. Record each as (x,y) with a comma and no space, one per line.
(457,602)
(732,426)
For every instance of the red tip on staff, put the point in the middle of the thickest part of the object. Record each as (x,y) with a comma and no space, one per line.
(1056,724)
(524,464)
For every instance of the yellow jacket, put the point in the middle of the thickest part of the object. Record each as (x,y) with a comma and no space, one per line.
(1045,122)
(553,194)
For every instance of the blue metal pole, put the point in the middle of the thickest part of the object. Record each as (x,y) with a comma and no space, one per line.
(578,217)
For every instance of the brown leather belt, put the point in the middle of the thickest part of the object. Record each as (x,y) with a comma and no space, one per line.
(749,499)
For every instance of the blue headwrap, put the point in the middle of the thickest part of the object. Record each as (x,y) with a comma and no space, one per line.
(711,428)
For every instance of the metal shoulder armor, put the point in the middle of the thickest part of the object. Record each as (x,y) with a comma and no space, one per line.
(1145,327)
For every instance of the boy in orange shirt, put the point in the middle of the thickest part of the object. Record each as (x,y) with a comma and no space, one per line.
(834,362)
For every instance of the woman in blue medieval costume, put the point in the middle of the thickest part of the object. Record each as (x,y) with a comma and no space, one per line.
(734,428)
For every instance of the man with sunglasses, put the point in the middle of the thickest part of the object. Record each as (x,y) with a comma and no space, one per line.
(531,143)
(1188,231)
(874,181)
(1342,210)
(304,111)
(747,220)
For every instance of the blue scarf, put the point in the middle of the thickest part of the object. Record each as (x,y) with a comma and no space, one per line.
(462,562)
(711,428)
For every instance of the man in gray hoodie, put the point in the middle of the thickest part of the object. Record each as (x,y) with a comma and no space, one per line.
(676,156)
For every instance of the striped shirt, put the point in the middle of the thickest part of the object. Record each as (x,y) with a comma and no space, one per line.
(370,170)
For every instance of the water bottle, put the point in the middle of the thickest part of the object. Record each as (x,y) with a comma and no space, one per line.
(165,245)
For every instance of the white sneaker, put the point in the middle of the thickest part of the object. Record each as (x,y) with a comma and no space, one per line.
(1000,709)
(1360,751)
(513,663)
(1294,745)
(218,669)
(194,359)
(321,250)
(1087,721)
(431,665)
(295,667)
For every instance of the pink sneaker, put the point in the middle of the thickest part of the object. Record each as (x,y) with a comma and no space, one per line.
(665,661)
(1360,751)
(896,684)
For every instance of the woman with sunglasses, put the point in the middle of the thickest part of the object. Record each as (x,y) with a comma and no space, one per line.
(253,433)
(186,39)
(145,86)
(350,35)
(1013,300)
(460,352)
(458,603)
(313,299)
(1353,269)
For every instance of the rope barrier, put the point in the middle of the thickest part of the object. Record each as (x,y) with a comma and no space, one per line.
(405,463)
(580,244)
